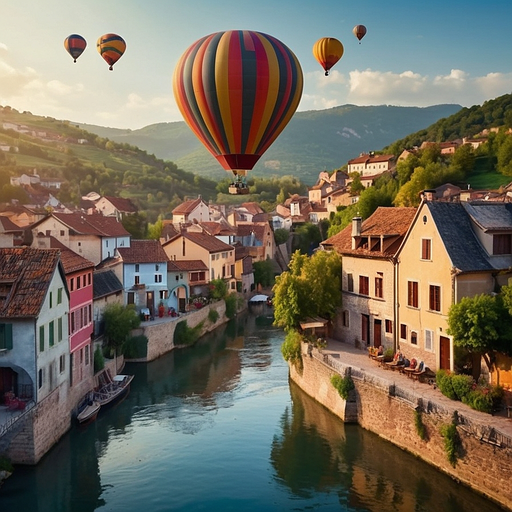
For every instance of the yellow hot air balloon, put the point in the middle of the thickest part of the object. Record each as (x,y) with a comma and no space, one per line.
(327,52)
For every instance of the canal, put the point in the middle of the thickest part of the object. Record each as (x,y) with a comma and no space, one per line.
(218,427)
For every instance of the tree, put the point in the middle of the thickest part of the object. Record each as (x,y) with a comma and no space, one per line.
(480,325)
(307,237)
(263,273)
(119,322)
(311,287)
(281,235)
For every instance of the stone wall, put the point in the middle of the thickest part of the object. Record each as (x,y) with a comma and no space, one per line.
(160,335)
(484,460)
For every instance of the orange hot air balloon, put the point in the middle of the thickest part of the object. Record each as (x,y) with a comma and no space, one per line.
(359,31)
(237,90)
(75,45)
(111,47)
(327,52)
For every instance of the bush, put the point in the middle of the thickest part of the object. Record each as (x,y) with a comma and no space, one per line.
(444,383)
(420,427)
(136,347)
(344,385)
(185,335)
(451,440)
(218,289)
(462,385)
(485,398)
(213,315)
(231,303)
(291,348)
(99,360)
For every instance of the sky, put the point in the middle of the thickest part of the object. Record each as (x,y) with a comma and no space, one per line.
(415,53)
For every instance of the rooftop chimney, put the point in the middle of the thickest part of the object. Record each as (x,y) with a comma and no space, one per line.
(356,230)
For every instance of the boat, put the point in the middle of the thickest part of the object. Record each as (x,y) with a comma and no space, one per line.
(88,413)
(110,389)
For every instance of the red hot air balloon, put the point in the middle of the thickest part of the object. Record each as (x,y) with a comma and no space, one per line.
(359,31)
(111,47)
(75,45)
(237,90)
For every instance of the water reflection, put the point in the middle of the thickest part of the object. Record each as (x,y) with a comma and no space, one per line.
(317,453)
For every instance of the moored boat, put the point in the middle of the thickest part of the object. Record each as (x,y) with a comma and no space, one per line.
(88,413)
(111,389)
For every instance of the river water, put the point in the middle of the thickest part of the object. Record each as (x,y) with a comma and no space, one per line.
(218,427)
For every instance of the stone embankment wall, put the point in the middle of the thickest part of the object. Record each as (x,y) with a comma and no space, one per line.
(160,335)
(484,458)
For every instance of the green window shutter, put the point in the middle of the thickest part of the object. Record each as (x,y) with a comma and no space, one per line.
(59,296)
(60,329)
(41,338)
(6,336)
(51,334)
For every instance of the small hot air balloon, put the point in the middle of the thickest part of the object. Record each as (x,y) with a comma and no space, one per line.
(359,31)
(111,47)
(327,52)
(237,90)
(75,45)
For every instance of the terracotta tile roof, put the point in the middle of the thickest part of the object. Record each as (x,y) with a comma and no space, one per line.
(143,251)
(253,207)
(218,228)
(244,230)
(208,242)
(186,206)
(71,261)
(371,159)
(7,225)
(186,265)
(25,275)
(390,223)
(122,204)
(91,224)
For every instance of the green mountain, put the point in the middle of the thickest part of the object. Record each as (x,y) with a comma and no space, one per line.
(313,141)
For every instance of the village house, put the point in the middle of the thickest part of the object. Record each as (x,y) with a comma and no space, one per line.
(185,278)
(370,164)
(452,250)
(94,237)
(217,255)
(258,237)
(34,348)
(190,211)
(244,272)
(369,275)
(117,207)
(11,235)
(144,280)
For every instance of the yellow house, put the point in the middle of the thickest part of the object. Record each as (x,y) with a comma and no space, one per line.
(452,250)
(368,252)
(217,255)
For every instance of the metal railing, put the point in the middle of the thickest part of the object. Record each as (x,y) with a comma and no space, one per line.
(15,418)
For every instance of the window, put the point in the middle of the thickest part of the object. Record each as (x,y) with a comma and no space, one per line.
(72,284)
(157,267)
(389,326)
(501,244)
(162,294)
(89,278)
(40,378)
(426,249)
(130,298)
(5,336)
(137,267)
(72,323)
(51,299)
(429,337)
(364,285)
(51,334)
(78,282)
(412,294)
(59,329)
(403,331)
(87,355)
(346,318)
(378,287)
(137,279)
(41,338)
(158,278)
(435,298)
(414,338)
(59,296)
(350,282)
(62,364)
(61,232)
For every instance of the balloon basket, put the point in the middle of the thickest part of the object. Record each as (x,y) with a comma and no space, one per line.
(235,190)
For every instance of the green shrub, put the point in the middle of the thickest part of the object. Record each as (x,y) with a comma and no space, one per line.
(420,427)
(136,347)
(185,335)
(231,302)
(218,289)
(451,440)
(444,383)
(485,398)
(344,385)
(291,348)
(5,464)
(213,315)
(99,360)
(462,385)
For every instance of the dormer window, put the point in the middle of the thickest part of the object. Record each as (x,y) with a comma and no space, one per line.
(502,244)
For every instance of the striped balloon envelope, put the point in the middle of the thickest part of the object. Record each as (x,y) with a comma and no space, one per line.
(327,51)
(111,47)
(75,45)
(237,90)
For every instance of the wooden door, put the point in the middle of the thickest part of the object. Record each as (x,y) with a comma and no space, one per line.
(377,333)
(444,353)
(365,329)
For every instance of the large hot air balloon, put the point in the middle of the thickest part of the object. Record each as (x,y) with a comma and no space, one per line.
(111,47)
(359,31)
(75,45)
(237,90)
(327,52)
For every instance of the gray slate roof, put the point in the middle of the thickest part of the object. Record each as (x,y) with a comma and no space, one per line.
(491,216)
(462,245)
(105,283)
